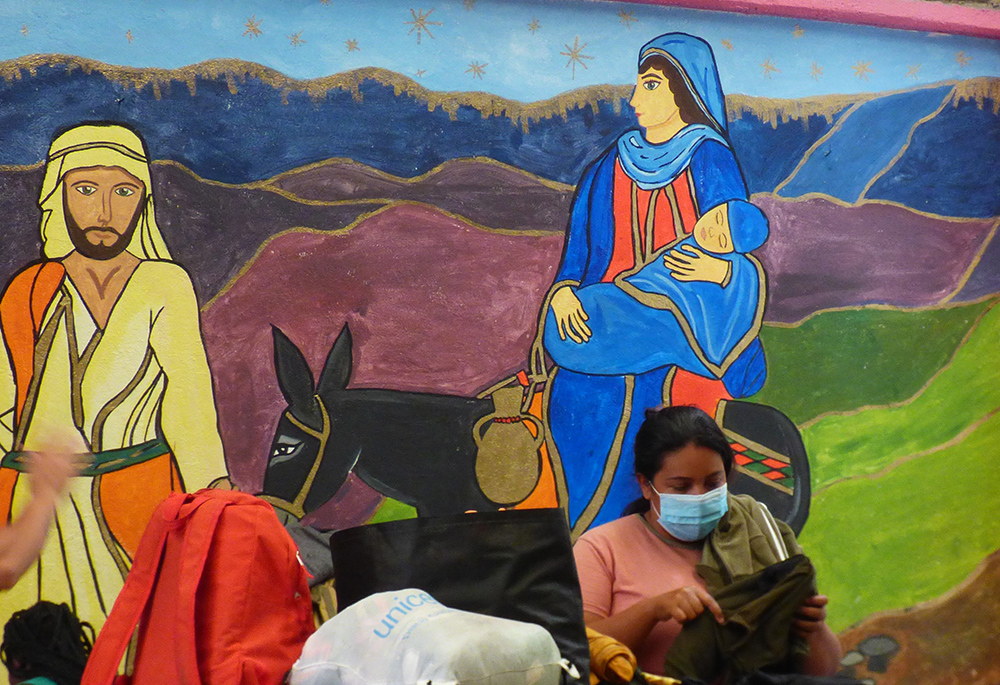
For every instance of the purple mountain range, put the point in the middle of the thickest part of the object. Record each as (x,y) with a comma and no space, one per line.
(482,191)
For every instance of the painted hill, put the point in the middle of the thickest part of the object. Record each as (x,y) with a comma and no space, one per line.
(952,161)
(944,641)
(434,305)
(823,254)
(985,277)
(480,190)
(898,350)
(862,143)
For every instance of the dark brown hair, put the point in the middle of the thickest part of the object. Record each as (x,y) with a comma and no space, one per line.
(667,430)
(687,103)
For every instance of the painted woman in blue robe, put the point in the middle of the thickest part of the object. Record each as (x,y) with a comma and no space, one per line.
(656,288)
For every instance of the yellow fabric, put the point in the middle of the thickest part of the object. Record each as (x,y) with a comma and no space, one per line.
(155,317)
(610,660)
(88,146)
(613,662)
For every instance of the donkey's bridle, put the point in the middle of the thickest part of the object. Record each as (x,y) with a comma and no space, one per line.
(296,506)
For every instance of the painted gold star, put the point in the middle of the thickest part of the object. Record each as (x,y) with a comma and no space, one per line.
(24,30)
(252,27)
(769,68)
(421,24)
(627,18)
(911,70)
(727,44)
(534,25)
(352,45)
(295,39)
(862,69)
(816,72)
(421,72)
(324,2)
(962,59)
(129,37)
(469,5)
(798,31)
(576,55)
(477,70)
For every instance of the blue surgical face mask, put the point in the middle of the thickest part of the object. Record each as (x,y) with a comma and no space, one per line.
(691,517)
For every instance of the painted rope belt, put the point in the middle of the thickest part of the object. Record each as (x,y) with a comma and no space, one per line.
(103,462)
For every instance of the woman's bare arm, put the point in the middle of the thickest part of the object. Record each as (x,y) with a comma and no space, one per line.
(632,626)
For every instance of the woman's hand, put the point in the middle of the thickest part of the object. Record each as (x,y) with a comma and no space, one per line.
(686,603)
(570,317)
(811,616)
(825,650)
(691,264)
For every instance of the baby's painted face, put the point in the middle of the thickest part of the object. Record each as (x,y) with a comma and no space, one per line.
(712,230)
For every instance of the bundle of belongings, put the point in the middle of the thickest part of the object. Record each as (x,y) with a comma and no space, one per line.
(407,637)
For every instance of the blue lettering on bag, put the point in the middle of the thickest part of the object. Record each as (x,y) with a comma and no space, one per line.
(403,606)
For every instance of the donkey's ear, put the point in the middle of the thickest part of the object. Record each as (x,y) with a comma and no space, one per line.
(294,377)
(337,370)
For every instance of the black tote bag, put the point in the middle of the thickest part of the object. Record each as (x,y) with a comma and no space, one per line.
(511,564)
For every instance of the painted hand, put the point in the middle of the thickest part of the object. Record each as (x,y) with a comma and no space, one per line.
(811,616)
(691,264)
(686,603)
(570,317)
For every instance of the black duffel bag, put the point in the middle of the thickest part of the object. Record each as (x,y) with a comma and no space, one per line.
(512,564)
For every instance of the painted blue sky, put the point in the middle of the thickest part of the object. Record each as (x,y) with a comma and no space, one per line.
(514,48)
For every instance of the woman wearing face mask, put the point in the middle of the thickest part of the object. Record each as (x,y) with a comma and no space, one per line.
(638,573)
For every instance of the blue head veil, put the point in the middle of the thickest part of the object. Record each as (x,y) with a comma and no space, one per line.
(653,165)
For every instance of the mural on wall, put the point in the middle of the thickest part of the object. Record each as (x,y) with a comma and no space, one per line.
(441,264)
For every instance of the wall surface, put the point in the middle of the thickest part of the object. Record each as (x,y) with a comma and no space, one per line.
(399,180)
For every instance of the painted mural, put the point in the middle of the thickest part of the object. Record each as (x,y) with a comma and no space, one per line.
(375,261)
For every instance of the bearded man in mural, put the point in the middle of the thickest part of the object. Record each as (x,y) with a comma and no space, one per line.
(102,356)
(656,300)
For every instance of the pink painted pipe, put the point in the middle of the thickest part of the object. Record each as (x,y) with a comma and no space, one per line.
(916,15)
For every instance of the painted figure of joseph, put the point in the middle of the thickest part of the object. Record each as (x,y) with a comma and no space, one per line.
(102,356)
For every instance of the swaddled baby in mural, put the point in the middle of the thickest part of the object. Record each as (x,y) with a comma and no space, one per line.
(700,325)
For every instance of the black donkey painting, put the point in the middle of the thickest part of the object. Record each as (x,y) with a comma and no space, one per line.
(434,452)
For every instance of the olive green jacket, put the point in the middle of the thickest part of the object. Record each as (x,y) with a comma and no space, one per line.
(755,570)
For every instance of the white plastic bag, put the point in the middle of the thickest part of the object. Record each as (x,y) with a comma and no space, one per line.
(408,638)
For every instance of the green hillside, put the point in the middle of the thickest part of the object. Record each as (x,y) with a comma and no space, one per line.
(866,442)
(909,535)
(843,360)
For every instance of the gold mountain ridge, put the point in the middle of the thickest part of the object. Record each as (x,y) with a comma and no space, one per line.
(237,72)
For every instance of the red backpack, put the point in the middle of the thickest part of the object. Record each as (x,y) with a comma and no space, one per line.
(218,593)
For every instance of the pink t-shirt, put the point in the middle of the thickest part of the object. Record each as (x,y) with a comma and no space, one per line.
(623,562)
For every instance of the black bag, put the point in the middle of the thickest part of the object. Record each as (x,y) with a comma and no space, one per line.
(512,564)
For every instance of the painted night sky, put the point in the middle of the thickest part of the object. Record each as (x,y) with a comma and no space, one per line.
(515,49)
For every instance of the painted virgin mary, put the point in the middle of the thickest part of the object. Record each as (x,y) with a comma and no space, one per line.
(656,299)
